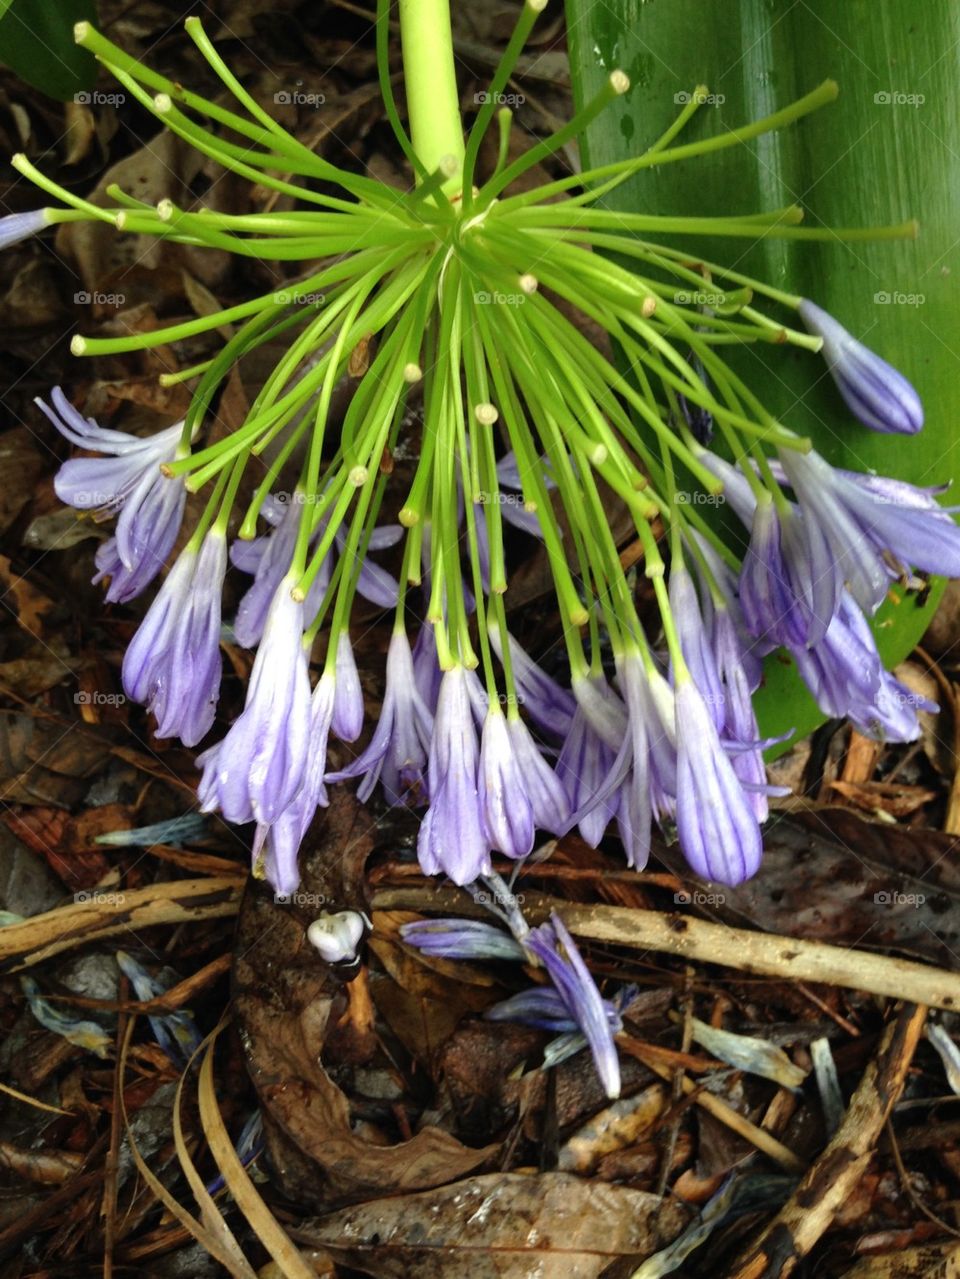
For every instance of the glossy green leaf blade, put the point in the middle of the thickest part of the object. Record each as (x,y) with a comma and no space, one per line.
(883,153)
(36,41)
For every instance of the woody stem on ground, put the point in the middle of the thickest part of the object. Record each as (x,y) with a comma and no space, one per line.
(433,104)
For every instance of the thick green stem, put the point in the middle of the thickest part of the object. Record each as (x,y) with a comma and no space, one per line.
(433,104)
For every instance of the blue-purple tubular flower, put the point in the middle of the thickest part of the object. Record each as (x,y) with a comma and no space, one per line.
(173,663)
(256,771)
(128,479)
(398,751)
(548,799)
(847,678)
(15,227)
(461,939)
(506,813)
(866,517)
(553,946)
(549,706)
(452,837)
(543,1008)
(716,825)
(875,392)
(280,839)
(347,722)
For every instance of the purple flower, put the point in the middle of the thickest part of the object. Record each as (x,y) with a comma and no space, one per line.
(426,668)
(398,751)
(583,767)
(548,799)
(461,939)
(451,837)
(716,825)
(553,946)
(347,720)
(127,479)
(550,707)
(698,651)
(15,227)
(543,1008)
(173,663)
(256,771)
(281,838)
(506,813)
(868,516)
(847,678)
(875,392)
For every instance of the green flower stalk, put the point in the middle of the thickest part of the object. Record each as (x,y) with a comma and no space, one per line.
(454,297)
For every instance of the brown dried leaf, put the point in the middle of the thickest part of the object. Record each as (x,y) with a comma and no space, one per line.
(500,1226)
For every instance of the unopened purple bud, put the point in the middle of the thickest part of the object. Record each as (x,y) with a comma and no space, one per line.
(505,808)
(874,391)
(348,698)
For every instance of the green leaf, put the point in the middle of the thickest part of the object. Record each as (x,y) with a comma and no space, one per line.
(36,41)
(883,153)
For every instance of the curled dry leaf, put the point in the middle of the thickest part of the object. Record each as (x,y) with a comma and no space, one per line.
(500,1226)
(294,1018)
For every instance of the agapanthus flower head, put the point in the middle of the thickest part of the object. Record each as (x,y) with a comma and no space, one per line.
(556,950)
(256,771)
(874,391)
(173,662)
(127,479)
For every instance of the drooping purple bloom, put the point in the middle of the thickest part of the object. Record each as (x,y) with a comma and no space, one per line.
(867,516)
(550,707)
(398,751)
(716,825)
(876,393)
(553,946)
(256,771)
(847,678)
(543,1008)
(461,939)
(128,479)
(506,813)
(347,720)
(698,651)
(451,837)
(426,667)
(281,838)
(173,663)
(15,227)
(584,765)
(548,799)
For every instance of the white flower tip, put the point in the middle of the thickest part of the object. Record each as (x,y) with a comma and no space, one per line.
(358,476)
(337,936)
(412,372)
(165,209)
(537,6)
(449,166)
(19,162)
(528,284)
(599,454)
(82,32)
(648,306)
(120,219)
(486,414)
(192,23)
(78,345)
(163,103)
(619,81)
